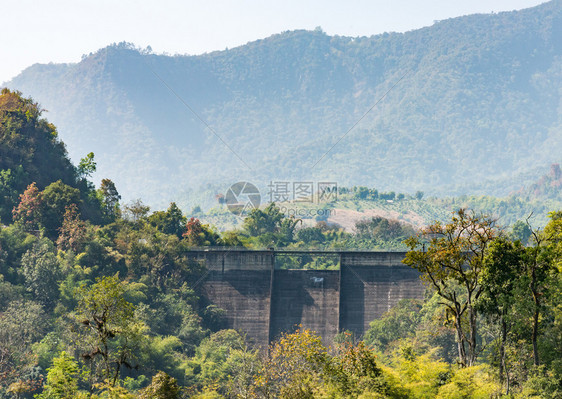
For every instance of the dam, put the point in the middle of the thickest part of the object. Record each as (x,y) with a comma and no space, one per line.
(263,301)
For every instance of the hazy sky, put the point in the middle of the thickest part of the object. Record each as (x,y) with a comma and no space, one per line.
(62,30)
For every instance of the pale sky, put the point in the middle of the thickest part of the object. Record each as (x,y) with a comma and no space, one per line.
(62,30)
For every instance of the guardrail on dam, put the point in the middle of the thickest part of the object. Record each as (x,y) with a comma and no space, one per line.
(263,301)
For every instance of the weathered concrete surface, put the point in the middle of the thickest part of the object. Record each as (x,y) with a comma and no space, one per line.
(305,297)
(246,297)
(240,283)
(371,284)
(263,302)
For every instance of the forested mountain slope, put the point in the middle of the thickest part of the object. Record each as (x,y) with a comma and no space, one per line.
(479,99)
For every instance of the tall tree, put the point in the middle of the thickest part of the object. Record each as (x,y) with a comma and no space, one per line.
(452,265)
(109,198)
(500,275)
(111,332)
(72,233)
(538,268)
(86,167)
(29,211)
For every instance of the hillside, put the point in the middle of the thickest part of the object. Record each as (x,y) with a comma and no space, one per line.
(33,158)
(479,105)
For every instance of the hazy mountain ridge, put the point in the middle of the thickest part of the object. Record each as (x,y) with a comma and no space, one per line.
(480,100)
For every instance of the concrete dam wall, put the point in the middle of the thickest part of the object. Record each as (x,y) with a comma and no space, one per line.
(264,302)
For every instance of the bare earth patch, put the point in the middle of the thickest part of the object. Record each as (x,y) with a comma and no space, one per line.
(347,218)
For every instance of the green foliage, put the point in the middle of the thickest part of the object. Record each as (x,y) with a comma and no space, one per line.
(420,375)
(29,142)
(57,197)
(109,199)
(199,235)
(22,322)
(10,183)
(398,323)
(111,332)
(521,231)
(452,266)
(219,358)
(86,166)
(31,154)
(170,222)
(62,379)
(383,230)
(270,226)
(310,236)
(41,271)
(471,382)
(294,366)
(162,387)
(354,370)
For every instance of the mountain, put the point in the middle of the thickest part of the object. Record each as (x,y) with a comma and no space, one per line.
(458,104)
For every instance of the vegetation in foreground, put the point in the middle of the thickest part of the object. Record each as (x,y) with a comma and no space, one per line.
(97,299)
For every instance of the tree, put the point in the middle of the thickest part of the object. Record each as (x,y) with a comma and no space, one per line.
(501,271)
(62,379)
(11,184)
(260,222)
(399,322)
(57,197)
(31,143)
(136,211)
(170,222)
(362,192)
(21,324)
(219,358)
(109,198)
(162,387)
(452,265)
(41,271)
(86,167)
(310,235)
(538,268)
(72,234)
(270,225)
(199,235)
(378,228)
(294,366)
(29,210)
(111,331)
(354,370)
(521,231)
